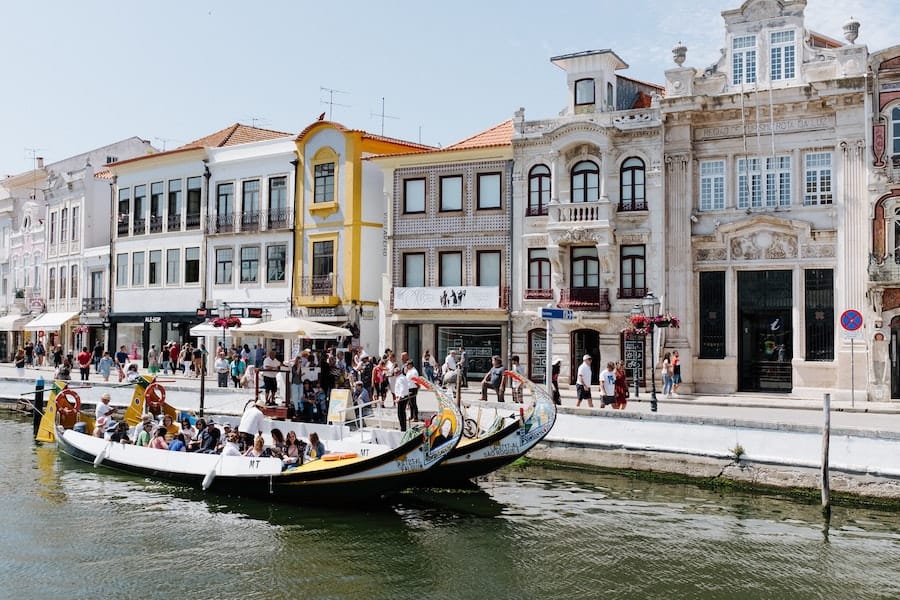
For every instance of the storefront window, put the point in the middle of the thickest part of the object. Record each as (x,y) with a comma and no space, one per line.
(130,335)
(481,343)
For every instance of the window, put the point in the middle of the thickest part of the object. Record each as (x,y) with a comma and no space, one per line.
(249,264)
(64,225)
(137,269)
(124,210)
(140,198)
(250,203)
(413,196)
(173,265)
(324,183)
(488,190)
(633,270)
(585,268)
(275,256)
(121,270)
(73,285)
(489,268)
(53,218)
(156,206)
(538,274)
(414,269)
(174,204)
(51,291)
(743,59)
(538,191)
(323,258)
(224,262)
(819,314)
(818,179)
(278,214)
(610,97)
(712,314)
(193,202)
(451,192)
(154,274)
(192,265)
(782,54)
(631,185)
(764,180)
(75,225)
(224,206)
(585,182)
(712,185)
(450,269)
(895,134)
(584,92)
(62,283)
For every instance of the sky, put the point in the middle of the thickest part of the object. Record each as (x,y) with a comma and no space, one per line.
(80,75)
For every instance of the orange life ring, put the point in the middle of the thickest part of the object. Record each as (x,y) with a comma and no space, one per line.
(67,409)
(155,396)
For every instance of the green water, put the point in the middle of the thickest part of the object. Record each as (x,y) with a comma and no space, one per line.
(72,531)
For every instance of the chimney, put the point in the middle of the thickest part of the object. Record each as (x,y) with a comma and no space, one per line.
(39,160)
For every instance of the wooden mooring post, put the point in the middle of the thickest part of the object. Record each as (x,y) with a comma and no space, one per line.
(826,438)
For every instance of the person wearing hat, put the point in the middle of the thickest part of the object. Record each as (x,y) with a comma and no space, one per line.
(583,381)
(450,366)
(554,380)
(361,400)
(252,421)
(120,433)
(104,409)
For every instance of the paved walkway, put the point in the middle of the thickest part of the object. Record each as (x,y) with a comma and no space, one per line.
(764,408)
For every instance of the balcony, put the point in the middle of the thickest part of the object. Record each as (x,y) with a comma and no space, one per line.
(586,299)
(537,211)
(279,218)
(122,226)
(539,294)
(250,220)
(173,223)
(318,290)
(631,293)
(221,224)
(139,227)
(93,305)
(156,223)
(193,221)
(884,269)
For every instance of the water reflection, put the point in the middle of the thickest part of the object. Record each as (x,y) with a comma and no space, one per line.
(521,533)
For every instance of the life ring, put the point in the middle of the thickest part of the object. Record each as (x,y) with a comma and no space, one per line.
(68,409)
(155,396)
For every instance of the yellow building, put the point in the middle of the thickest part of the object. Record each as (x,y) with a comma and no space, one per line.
(339,226)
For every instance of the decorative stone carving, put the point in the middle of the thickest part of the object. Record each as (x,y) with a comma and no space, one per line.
(818,251)
(711,254)
(576,235)
(764,245)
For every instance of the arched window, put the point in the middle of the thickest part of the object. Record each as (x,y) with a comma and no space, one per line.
(895,136)
(585,182)
(631,185)
(538,191)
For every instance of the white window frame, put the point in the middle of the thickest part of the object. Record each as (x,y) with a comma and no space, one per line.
(763,182)
(782,55)
(712,185)
(743,59)
(818,178)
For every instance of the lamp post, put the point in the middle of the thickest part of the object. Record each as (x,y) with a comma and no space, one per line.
(635,311)
(224,312)
(650,306)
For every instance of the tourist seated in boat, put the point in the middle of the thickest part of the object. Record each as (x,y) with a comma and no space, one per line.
(231,447)
(294,450)
(226,431)
(315,449)
(193,444)
(100,426)
(121,433)
(171,427)
(258,450)
(177,443)
(209,438)
(278,443)
(140,428)
(189,431)
(159,439)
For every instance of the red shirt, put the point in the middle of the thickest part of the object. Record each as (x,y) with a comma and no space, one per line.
(84,359)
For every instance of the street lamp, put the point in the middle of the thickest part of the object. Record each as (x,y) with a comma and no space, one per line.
(650,307)
(224,312)
(635,311)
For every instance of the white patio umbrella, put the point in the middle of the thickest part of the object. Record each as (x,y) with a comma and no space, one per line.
(294,327)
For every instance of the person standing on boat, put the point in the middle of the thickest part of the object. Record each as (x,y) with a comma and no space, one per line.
(401,397)
(104,409)
(252,421)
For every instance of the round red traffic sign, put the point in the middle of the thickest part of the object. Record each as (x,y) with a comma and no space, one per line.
(851,320)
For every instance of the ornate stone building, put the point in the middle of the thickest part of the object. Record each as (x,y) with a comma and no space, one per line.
(764,172)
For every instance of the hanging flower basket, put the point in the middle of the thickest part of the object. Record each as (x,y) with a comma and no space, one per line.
(226,323)
(640,324)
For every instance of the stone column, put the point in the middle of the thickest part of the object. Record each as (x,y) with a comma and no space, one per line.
(678,261)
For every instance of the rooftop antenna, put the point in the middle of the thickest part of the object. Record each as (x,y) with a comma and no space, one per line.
(164,141)
(257,121)
(37,162)
(330,102)
(382,115)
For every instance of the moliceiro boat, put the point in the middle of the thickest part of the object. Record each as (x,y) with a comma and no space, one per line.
(357,464)
(489,446)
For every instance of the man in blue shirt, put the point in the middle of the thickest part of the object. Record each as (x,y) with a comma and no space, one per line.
(493,379)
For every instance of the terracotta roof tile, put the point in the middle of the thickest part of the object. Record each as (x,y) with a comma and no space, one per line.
(233,135)
(104,174)
(499,135)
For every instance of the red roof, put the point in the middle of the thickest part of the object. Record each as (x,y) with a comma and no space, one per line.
(498,135)
(233,135)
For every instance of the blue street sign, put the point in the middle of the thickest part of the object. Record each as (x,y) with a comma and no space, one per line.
(851,320)
(566,314)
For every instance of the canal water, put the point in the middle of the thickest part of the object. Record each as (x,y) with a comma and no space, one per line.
(71,531)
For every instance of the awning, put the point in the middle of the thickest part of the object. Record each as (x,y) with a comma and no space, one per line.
(207,330)
(294,327)
(50,321)
(13,322)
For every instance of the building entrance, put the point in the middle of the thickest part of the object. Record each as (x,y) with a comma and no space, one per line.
(765,300)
